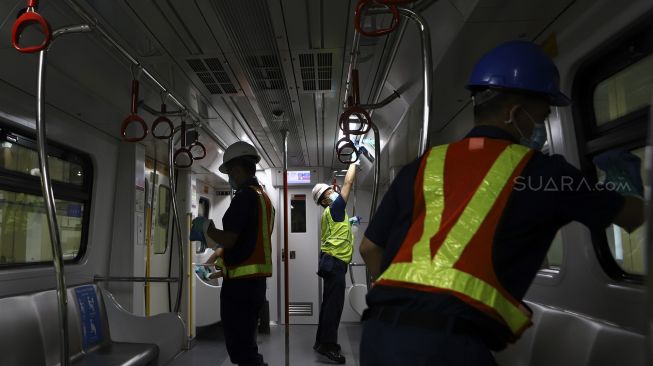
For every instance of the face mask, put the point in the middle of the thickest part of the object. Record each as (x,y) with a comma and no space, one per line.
(538,136)
(333,197)
(537,139)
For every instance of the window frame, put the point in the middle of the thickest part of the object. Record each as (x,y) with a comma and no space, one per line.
(18,182)
(624,132)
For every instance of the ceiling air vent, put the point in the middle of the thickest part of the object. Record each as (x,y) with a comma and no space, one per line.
(267,72)
(212,75)
(316,71)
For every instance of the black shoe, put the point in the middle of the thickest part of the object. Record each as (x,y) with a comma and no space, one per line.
(317,345)
(332,353)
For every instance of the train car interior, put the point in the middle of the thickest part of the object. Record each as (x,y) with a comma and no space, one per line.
(115,117)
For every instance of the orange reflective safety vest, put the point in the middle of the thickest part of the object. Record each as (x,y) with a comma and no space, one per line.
(259,263)
(460,193)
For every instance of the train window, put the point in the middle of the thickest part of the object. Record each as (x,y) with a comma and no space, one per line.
(612,95)
(24,160)
(204,208)
(298,213)
(203,211)
(24,232)
(624,92)
(162,220)
(627,249)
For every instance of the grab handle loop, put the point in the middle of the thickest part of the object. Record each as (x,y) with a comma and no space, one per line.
(133,117)
(346,151)
(360,8)
(394,2)
(198,150)
(30,17)
(162,119)
(364,120)
(183,150)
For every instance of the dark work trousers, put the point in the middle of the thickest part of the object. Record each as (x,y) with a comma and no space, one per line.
(240,303)
(332,270)
(386,344)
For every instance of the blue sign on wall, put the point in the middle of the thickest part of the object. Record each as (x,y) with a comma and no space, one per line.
(74,210)
(89,314)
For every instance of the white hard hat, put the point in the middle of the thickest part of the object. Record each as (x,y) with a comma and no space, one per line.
(318,190)
(237,150)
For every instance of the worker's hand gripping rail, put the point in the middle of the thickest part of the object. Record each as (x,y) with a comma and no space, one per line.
(355,115)
(30,17)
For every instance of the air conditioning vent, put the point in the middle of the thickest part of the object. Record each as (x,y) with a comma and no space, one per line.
(267,72)
(212,75)
(300,308)
(316,71)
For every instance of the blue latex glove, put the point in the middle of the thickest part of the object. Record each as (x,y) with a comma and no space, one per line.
(202,272)
(622,171)
(199,228)
(355,220)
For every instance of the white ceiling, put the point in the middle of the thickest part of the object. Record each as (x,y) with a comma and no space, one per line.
(253,54)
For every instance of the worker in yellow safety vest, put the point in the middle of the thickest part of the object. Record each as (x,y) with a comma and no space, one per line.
(336,250)
(463,230)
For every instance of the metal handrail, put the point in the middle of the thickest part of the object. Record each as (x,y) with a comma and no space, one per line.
(134,279)
(427,65)
(165,91)
(351,273)
(173,188)
(48,194)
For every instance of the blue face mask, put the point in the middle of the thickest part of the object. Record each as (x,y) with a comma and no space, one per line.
(538,136)
(333,196)
(537,139)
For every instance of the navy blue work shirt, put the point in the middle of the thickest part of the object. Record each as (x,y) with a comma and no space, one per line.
(337,209)
(241,218)
(530,221)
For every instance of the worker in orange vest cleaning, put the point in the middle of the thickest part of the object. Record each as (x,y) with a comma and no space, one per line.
(462,231)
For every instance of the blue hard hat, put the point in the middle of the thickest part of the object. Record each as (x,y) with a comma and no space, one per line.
(519,66)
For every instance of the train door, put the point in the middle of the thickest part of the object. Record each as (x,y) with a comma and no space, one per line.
(158,240)
(303,251)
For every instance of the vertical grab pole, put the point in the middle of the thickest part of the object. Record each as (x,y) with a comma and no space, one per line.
(48,196)
(377,168)
(648,214)
(285,244)
(427,63)
(171,174)
(375,188)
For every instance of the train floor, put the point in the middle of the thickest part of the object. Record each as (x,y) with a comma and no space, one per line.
(210,349)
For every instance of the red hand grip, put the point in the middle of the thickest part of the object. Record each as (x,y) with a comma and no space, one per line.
(394,2)
(160,120)
(363,117)
(132,118)
(134,107)
(30,17)
(396,18)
